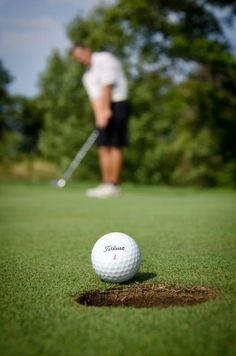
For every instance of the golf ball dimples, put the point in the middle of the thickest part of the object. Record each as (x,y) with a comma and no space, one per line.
(115,257)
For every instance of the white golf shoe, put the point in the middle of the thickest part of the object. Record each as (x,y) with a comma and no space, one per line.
(104,190)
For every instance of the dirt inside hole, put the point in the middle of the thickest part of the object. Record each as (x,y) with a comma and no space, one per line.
(147,296)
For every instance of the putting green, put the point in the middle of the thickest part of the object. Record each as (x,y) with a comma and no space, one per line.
(186,236)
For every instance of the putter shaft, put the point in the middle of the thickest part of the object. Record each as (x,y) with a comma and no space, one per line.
(60,183)
(80,155)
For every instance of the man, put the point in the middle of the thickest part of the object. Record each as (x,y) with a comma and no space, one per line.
(107,89)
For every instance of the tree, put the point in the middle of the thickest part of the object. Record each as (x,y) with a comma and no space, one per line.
(20,121)
(26,119)
(67,118)
(5,79)
(182,130)
(9,141)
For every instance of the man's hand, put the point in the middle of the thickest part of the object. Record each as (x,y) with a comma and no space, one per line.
(102,107)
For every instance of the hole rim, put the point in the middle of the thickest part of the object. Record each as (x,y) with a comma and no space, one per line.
(162,296)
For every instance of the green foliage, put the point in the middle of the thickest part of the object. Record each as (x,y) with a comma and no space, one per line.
(181,132)
(21,126)
(20,122)
(26,119)
(5,79)
(10,146)
(67,115)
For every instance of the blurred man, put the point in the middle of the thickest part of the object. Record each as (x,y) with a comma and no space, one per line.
(107,88)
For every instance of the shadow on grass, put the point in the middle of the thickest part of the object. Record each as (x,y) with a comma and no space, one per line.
(143,277)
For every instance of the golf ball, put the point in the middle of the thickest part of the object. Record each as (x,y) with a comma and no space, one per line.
(61,183)
(115,257)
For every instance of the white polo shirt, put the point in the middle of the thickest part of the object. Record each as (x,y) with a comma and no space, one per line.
(105,69)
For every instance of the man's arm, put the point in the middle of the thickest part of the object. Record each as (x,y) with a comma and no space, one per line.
(102,107)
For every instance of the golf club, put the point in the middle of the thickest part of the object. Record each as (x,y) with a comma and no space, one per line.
(60,183)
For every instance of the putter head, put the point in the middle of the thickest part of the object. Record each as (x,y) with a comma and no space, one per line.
(60,183)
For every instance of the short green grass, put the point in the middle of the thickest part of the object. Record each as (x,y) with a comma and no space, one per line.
(186,236)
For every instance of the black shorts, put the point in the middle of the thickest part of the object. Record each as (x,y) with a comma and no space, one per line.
(116,132)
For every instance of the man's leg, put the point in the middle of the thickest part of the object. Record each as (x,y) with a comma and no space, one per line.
(110,159)
(110,153)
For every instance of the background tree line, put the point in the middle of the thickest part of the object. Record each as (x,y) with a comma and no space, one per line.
(181,72)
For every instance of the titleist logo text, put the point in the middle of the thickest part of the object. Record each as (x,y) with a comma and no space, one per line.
(113,248)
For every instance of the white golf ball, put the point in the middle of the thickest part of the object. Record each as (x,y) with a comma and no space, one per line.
(61,183)
(115,257)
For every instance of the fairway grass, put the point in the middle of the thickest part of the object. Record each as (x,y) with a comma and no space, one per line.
(186,236)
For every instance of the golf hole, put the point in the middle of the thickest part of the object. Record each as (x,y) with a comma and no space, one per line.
(147,296)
